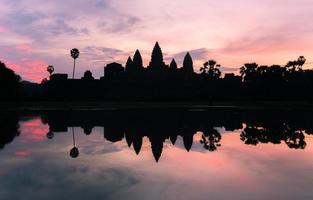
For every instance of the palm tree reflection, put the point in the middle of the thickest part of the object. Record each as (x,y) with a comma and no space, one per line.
(50,135)
(74,153)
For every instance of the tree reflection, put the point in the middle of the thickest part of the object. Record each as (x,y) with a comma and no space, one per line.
(9,129)
(210,139)
(74,153)
(50,135)
(293,137)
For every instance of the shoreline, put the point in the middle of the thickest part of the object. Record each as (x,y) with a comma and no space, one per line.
(98,106)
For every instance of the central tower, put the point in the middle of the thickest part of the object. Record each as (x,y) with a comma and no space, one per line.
(157,64)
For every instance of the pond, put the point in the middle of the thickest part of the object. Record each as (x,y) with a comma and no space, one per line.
(157,154)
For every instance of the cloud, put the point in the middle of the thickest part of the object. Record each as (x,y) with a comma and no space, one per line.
(98,147)
(196,54)
(119,24)
(3,29)
(230,32)
(24,47)
(103,55)
(21,59)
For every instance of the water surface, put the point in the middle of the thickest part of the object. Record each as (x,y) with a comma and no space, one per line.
(212,154)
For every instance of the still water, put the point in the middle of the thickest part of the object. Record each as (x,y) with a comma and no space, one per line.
(178,154)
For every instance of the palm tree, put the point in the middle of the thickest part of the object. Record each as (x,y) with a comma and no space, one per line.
(301,61)
(204,68)
(214,71)
(292,66)
(75,55)
(212,63)
(50,69)
(249,71)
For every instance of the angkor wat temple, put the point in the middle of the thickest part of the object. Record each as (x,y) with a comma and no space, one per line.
(161,82)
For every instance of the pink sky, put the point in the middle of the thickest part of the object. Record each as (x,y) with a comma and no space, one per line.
(35,34)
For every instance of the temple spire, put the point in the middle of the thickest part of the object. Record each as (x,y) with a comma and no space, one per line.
(137,60)
(157,64)
(173,65)
(188,64)
(157,55)
(129,64)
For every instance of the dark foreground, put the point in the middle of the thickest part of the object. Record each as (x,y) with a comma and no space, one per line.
(156,152)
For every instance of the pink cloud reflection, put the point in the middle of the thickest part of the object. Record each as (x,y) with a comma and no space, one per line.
(33,130)
(23,153)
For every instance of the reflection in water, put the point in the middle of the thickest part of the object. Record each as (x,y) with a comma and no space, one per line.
(210,139)
(9,128)
(290,134)
(238,154)
(74,153)
(160,126)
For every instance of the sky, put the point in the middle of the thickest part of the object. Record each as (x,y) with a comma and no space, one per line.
(36,33)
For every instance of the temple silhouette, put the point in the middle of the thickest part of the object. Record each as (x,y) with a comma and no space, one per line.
(165,82)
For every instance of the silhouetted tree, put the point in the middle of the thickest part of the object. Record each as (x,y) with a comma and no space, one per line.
(205,68)
(249,71)
(88,75)
(296,65)
(9,82)
(301,61)
(8,76)
(214,71)
(75,55)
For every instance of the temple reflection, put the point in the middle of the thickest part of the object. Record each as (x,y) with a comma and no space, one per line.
(161,126)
